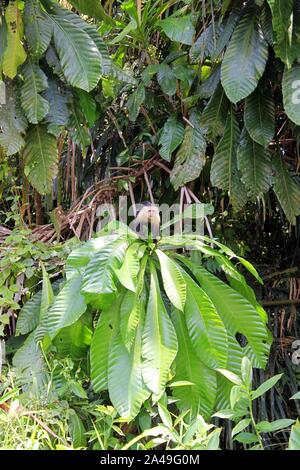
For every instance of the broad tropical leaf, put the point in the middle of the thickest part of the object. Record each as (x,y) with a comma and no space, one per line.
(166,78)
(88,106)
(35,81)
(68,306)
(206,329)
(92,9)
(159,340)
(224,170)
(259,117)
(179,29)
(285,20)
(135,102)
(286,189)
(129,270)
(126,386)
(106,327)
(40,156)
(99,277)
(254,163)
(171,137)
(74,340)
(294,442)
(29,363)
(173,280)
(190,157)
(13,124)
(29,316)
(245,58)
(14,54)
(58,114)
(238,315)
(215,114)
(78,53)
(199,398)
(77,127)
(38,28)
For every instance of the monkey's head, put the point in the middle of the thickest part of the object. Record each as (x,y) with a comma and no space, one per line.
(148,215)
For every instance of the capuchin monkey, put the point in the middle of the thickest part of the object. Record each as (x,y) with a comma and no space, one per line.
(147,221)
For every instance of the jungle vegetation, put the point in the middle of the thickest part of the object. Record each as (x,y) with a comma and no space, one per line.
(111,341)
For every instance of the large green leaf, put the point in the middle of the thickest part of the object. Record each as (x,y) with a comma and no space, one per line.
(259,117)
(78,53)
(224,171)
(254,163)
(77,125)
(179,29)
(173,280)
(200,396)
(159,340)
(68,306)
(94,9)
(245,58)
(129,270)
(3,40)
(238,315)
(74,340)
(294,442)
(285,20)
(13,123)
(35,81)
(40,156)
(14,54)
(29,316)
(206,329)
(58,114)
(135,101)
(166,78)
(214,38)
(190,157)
(291,93)
(215,113)
(99,276)
(30,365)
(171,137)
(106,327)
(126,386)
(38,28)
(286,189)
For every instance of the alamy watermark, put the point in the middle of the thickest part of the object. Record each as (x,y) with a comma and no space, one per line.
(161,220)
(296,352)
